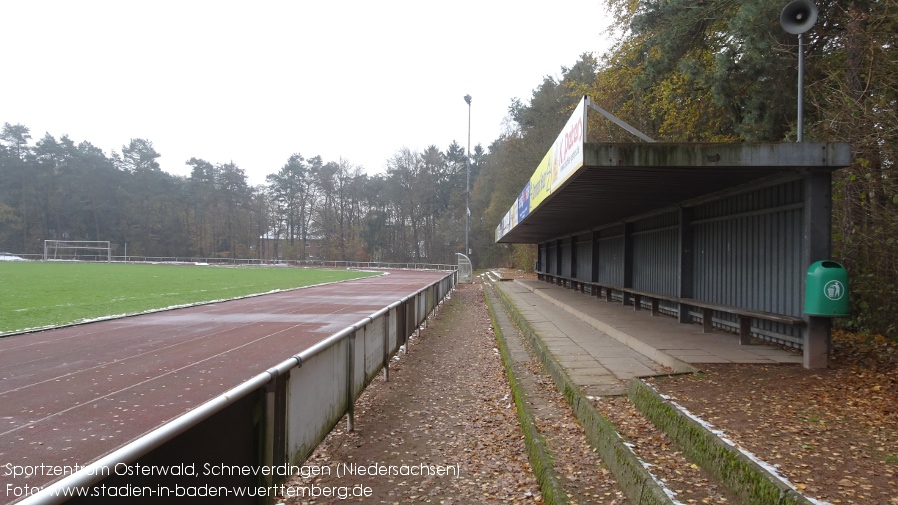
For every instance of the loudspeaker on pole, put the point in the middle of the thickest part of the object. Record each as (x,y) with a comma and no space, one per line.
(799,16)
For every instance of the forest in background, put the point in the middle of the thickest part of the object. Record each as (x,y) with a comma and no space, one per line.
(56,189)
(680,71)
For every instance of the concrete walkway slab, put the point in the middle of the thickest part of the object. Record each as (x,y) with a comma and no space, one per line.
(595,361)
(600,345)
(662,333)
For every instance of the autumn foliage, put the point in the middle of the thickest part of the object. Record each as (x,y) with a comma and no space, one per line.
(724,71)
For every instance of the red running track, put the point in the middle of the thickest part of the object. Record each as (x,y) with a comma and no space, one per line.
(71,395)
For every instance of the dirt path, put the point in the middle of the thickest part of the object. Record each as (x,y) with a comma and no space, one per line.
(446,411)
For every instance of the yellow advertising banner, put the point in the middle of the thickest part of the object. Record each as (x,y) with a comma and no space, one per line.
(541,181)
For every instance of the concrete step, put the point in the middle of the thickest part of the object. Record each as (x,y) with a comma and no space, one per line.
(744,477)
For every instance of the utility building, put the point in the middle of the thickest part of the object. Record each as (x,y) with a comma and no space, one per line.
(721,235)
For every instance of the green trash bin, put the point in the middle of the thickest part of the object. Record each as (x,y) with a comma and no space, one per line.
(826,290)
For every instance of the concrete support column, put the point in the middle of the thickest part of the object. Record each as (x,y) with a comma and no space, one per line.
(628,260)
(595,260)
(685,274)
(818,246)
(540,255)
(817,342)
(559,252)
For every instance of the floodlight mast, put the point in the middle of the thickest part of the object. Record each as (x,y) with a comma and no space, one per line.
(468,180)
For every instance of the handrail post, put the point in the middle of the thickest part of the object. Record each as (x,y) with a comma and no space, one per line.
(350,380)
(405,327)
(386,362)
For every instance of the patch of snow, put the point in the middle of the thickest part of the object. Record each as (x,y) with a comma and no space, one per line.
(667,491)
(10,257)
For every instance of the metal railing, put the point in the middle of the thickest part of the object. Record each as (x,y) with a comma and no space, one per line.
(255,261)
(362,350)
(298,263)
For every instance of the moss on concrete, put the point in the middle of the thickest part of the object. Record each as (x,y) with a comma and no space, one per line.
(633,478)
(745,478)
(540,456)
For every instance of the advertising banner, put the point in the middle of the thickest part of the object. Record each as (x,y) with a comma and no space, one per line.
(567,151)
(524,203)
(541,182)
(513,213)
(563,159)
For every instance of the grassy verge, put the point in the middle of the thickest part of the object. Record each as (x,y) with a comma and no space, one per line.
(37,295)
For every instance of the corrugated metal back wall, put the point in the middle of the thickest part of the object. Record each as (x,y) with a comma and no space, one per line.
(565,252)
(584,256)
(748,250)
(611,256)
(656,254)
(747,254)
(551,252)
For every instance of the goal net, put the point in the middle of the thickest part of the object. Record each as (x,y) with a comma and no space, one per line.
(77,250)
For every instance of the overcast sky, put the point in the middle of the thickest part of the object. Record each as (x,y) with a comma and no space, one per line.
(253,82)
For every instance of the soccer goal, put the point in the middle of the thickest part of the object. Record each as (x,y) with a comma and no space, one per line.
(77,250)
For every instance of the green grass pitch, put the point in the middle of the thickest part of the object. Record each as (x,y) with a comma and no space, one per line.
(37,295)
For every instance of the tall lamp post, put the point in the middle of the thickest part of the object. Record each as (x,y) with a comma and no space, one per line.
(468,180)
